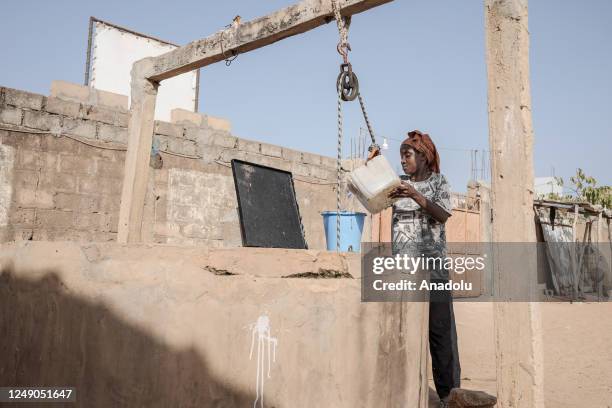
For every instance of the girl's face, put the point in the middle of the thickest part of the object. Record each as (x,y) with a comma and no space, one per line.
(411,160)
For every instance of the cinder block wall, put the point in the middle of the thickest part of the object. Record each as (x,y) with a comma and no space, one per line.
(63,160)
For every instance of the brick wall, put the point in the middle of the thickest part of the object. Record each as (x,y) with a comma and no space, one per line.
(62,168)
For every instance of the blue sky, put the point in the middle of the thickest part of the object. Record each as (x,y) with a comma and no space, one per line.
(420,65)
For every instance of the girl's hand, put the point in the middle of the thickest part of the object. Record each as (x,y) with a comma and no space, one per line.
(375,152)
(405,190)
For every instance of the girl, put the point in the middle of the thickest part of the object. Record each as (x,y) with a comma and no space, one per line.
(419,215)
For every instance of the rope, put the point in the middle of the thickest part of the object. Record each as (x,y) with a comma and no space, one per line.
(339,168)
(343,45)
(367,120)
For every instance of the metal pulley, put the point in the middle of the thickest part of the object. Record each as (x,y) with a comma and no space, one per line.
(347,83)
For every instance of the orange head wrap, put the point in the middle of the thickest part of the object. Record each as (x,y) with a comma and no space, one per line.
(421,142)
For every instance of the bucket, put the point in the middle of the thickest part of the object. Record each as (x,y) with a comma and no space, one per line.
(372,183)
(351,227)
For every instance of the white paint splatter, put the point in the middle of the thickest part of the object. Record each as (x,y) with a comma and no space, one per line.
(262,329)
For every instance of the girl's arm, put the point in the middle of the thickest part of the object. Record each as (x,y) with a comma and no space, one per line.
(437,212)
(406,190)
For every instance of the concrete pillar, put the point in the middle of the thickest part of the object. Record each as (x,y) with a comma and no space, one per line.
(517,325)
(140,138)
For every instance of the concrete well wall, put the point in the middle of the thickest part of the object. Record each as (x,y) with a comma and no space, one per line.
(164,326)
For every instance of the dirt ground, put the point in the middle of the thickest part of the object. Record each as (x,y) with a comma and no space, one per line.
(577,346)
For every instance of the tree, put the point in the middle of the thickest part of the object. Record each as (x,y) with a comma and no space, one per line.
(585,189)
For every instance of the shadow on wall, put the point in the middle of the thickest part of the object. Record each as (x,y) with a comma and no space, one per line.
(50,337)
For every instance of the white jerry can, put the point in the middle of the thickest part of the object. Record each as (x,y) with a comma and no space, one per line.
(372,183)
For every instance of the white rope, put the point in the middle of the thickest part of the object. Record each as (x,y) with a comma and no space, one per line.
(342,27)
(339,168)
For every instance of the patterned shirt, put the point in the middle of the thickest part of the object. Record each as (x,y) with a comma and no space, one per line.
(415,231)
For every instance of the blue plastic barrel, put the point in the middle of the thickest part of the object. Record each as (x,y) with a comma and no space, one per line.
(351,227)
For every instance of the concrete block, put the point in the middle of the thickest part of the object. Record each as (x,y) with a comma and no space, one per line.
(66,201)
(47,233)
(224,140)
(111,99)
(168,129)
(87,203)
(161,142)
(25,179)
(23,99)
(199,135)
(69,91)
(218,123)
(93,221)
(110,203)
(27,160)
(318,172)
(114,134)
(54,219)
(23,217)
(42,121)
(105,115)
(183,116)
(11,116)
(328,162)
(323,173)
(57,182)
(51,143)
(168,229)
(21,140)
(76,165)
(98,186)
(189,148)
(88,95)
(291,155)
(175,144)
(310,158)
(350,165)
(107,168)
(271,150)
(249,146)
(81,128)
(228,155)
(283,165)
(195,231)
(23,234)
(34,198)
(209,154)
(25,197)
(49,161)
(273,162)
(300,169)
(62,107)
